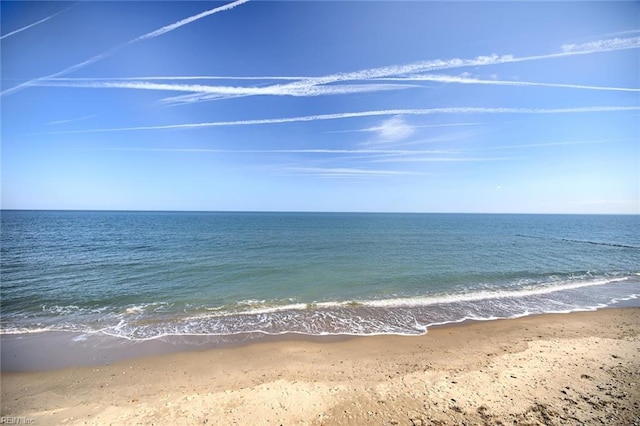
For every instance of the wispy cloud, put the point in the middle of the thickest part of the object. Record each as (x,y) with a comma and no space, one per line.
(113,50)
(345,115)
(391,130)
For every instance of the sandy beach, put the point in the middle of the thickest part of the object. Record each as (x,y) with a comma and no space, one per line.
(579,368)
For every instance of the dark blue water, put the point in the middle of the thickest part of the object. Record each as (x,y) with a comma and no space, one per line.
(144,275)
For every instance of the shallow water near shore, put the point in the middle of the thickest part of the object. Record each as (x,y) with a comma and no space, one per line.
(237,276)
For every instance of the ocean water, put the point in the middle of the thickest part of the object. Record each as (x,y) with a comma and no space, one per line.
(230,276)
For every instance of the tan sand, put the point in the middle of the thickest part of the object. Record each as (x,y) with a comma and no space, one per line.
(581,368)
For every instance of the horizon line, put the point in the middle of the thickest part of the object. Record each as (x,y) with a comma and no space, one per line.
(2,210)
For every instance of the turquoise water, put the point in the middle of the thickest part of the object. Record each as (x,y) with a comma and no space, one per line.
(140,275)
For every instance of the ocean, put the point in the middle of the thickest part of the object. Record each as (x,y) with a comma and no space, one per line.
(238,276)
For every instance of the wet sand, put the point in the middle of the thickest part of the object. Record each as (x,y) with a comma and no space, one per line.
(580,368)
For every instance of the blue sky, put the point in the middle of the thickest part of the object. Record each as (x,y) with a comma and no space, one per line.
(321,106)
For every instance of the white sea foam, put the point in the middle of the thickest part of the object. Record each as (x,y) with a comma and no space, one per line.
(258,307)
(134,310)
(488,294)
(400,316)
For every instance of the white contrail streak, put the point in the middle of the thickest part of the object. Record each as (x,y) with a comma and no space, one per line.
(72,120)
(370,129)
(113,50)
(19,30)
(183,77)
(188,20)
(287,151)
(308,84)
(227,91)
(283,90)
(601,45)
(343,115)
(343,172)
(440,159)
(466,80)
(439,64)
(197,90)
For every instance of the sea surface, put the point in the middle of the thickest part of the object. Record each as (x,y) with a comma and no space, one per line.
(234,276)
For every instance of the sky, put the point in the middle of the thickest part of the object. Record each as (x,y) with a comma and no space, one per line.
(358,106)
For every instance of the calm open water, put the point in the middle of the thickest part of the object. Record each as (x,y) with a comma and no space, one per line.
(140,275)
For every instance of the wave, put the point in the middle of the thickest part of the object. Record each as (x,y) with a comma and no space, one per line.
(403,316)
(266,307)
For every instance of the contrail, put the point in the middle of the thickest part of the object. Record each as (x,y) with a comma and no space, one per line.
(343,115)
(188,20)
(183,77)
(441,159)
(285,90)
(308,85)
(72,120)
(196,90)
(371,129)
(439,64)
(286,151)
(343,172)
(144,83)
(466,80)
(19,30)
(113,50)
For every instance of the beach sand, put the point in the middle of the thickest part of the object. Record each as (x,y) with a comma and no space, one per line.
(579,368)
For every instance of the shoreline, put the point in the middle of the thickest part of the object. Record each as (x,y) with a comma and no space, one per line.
(21,352)
(570,368)
(390,316)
